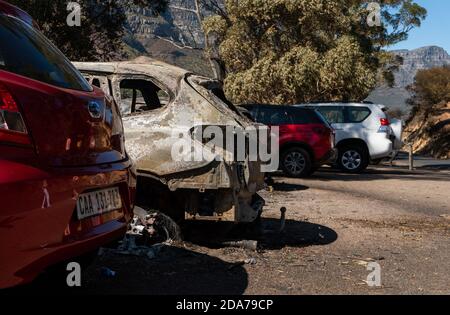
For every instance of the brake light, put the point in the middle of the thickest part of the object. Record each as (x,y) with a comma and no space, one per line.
(385,126)
(12,126)
(384,122)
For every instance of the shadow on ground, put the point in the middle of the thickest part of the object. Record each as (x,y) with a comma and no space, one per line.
(266,232)
(375,173)
(286,187)
(175,271)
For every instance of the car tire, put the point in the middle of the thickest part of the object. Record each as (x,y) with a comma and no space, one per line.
(353,159)
(296,162)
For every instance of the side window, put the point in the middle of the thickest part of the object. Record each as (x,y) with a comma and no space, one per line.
(357,114)
(274,116)
(138,95)
(262,115)
(333,114)
(302,116)
(249,111)
(100,82)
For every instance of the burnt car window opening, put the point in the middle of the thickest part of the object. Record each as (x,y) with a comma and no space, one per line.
(357,114)
(27,52)
(334,114)
(215,88)
(96,82)
(221,95)
(139,95)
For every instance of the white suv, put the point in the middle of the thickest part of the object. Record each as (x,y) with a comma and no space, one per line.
(364,133)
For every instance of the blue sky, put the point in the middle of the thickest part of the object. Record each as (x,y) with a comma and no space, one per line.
(435,30)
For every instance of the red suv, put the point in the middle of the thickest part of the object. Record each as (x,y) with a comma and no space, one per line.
(306,139)
(66,183)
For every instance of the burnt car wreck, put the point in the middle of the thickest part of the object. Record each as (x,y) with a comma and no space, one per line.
(160,104)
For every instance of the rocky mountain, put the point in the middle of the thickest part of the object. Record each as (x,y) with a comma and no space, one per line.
(175,37)
(418,59)
(179,23)
(413,61)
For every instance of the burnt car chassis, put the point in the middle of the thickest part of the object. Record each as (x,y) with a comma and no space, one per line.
(160,104)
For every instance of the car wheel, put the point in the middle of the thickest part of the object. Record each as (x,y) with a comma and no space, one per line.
(353,159)
(296,162)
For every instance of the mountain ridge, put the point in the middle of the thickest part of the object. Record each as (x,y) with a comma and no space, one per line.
(413,60)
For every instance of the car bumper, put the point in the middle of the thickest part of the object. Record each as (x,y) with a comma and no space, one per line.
(380,146)
(230,189)
(38,220)
(329,158)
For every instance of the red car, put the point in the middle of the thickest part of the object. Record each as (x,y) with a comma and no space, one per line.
(66,183)
(306,139)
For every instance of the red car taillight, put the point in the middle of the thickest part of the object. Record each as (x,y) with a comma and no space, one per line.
(385,126)
(12,126)
(385,122)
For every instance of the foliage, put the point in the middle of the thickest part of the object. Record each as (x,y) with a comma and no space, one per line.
(292,51)
(431,86)
(100,36)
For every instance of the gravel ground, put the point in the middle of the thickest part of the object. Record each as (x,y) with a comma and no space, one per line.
(336,225)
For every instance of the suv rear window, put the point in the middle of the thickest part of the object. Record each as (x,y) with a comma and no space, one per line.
(333,114)
(357,114)
(344,114)
(27,52)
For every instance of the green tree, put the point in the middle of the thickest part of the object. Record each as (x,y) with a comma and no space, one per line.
(100,36)
(291,51)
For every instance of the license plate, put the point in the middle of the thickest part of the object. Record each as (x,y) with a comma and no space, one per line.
(98,202)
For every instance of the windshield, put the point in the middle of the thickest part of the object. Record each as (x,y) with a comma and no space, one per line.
(26,52)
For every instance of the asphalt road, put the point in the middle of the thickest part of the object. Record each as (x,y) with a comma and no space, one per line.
(337,225)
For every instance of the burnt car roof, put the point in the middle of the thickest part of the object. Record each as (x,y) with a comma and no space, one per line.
(167,74)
